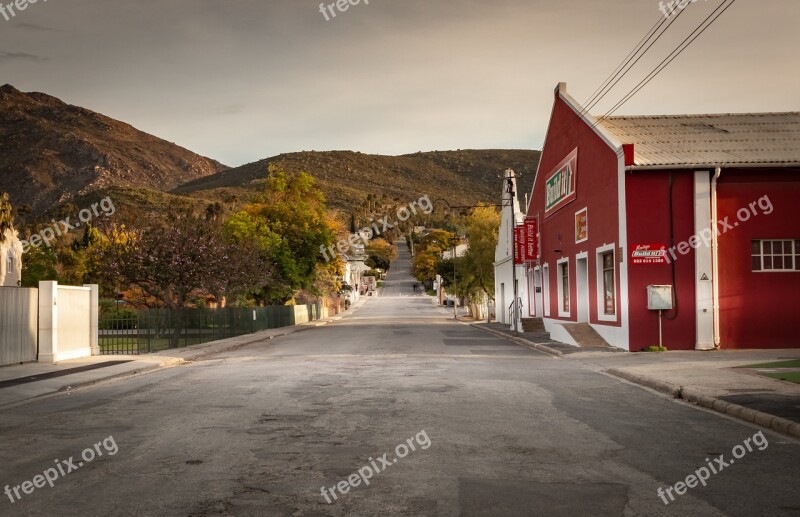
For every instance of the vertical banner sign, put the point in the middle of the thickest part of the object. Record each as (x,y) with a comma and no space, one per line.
(531,240)
(560,187)
(519,245)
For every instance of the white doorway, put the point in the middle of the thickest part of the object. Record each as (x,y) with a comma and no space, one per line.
(582,288)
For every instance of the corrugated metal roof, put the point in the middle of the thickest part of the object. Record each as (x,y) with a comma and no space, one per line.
(703,140)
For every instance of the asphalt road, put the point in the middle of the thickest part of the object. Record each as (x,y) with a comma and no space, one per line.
(496,429)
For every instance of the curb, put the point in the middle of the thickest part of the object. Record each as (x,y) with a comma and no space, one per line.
(772,422)
(520,341)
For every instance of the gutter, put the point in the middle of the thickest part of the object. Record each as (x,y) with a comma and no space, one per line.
(715,258)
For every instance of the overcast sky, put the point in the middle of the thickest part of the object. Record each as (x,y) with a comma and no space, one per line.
(241,80)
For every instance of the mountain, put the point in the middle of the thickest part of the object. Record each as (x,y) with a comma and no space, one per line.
(52,153)
(463,177)
(55,158)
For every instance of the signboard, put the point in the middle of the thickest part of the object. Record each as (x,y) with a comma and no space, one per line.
(659,297)
(581,225)
(519,244)
(560,185)
(531,239)
(648,254)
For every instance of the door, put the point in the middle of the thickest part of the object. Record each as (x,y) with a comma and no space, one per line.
(582,288)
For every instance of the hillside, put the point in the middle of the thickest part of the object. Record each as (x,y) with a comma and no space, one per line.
(56,158)
(52,153)
(461,177)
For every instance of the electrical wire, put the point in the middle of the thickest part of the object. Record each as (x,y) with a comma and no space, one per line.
(672,56)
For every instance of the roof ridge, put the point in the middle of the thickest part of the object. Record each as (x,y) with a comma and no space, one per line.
(707,115)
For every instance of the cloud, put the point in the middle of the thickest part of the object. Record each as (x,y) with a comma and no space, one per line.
(6,57)
(35,28)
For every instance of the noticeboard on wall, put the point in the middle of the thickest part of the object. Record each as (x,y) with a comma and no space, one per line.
(659,297)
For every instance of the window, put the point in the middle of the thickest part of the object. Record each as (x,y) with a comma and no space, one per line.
(564,271)
(12,261)
(776,255)
(609,292)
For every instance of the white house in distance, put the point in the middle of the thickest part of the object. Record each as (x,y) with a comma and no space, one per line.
(10,259)
(504,259)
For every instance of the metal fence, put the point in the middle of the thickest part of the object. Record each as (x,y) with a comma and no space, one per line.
(153,330)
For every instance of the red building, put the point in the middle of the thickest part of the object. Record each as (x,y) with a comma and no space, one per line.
(704,204)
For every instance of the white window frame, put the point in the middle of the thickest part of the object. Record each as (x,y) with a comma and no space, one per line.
(794,256)
(601,302)
(561,312)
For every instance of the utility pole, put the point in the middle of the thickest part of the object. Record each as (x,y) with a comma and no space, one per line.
(455,302)
(512,197)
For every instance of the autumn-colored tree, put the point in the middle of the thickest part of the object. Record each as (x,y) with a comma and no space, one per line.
(381,253)
(424,265)
(436,241)
(482,230)
(181,258)
(288,224)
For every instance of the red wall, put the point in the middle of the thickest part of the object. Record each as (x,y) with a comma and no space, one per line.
(648,203)
(596,189)
(757,310)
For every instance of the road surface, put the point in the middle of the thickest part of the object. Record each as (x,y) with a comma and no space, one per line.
(484,427)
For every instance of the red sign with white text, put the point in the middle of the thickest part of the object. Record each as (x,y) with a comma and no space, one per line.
(531,240)
(648,254)
(519,245)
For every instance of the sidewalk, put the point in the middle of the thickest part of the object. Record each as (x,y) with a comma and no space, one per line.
(709,379)
(22,383)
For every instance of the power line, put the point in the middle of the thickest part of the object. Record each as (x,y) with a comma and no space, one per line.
(672,56)
(605,89)
(593,102)
(702,27)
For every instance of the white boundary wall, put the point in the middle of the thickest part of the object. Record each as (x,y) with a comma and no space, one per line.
(68,319)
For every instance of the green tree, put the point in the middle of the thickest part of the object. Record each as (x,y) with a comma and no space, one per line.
(476,268)
(39,264)
(288,223)
(6,216)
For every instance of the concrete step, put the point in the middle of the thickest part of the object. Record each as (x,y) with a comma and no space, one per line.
(532,325)
(585,335)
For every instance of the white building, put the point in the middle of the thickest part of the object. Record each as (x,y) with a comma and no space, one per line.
(504,261)
(10,259)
